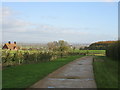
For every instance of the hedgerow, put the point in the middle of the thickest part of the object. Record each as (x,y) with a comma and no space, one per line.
(113,50)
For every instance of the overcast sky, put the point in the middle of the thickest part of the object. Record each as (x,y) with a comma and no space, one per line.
(76,22)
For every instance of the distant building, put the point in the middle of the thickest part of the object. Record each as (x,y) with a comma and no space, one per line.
(10,46)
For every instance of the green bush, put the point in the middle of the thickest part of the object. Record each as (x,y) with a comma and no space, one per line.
(77,53)
(17,57)
(113,50)
(12,57)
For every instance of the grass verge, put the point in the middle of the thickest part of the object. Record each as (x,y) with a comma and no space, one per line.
(25,75)
(106,72)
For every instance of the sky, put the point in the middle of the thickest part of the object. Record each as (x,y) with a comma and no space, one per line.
(75,22)
(60,0)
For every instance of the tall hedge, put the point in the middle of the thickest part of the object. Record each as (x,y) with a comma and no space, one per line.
(113,51)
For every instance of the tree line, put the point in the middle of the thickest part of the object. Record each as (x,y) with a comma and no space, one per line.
(102,45)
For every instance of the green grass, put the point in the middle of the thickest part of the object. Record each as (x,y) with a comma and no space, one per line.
(92,52)
(106,72)
(25,75)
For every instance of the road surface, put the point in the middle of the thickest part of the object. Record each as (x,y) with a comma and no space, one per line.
(76,74)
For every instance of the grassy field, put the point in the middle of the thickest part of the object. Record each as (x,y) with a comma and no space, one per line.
(106,72)
(25,75)
(92,52)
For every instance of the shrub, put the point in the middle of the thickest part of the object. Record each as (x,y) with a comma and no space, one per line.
(113,50)
(19,57)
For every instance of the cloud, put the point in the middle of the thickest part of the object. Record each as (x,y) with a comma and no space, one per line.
(11,24)
(47,35)
(5,11)
(16,25)
(25,31)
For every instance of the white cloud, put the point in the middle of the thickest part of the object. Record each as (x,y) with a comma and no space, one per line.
(15,25)
(12,24)
(6,11)
(3,13)
(25,31)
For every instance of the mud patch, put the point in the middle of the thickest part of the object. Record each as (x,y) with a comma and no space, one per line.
(80,64)
(72,77)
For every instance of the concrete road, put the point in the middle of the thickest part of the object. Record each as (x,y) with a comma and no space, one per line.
(76,74)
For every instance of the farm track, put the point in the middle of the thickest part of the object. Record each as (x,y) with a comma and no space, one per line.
(76,74)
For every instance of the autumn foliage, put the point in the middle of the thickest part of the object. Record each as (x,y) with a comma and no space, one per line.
(102,45)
